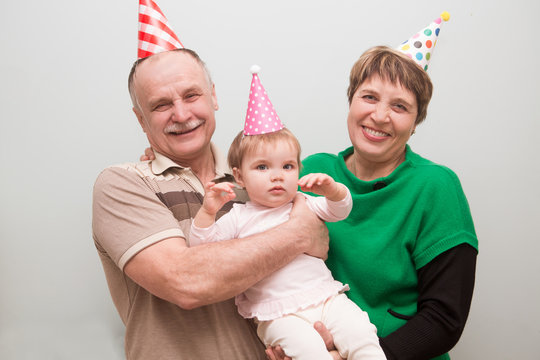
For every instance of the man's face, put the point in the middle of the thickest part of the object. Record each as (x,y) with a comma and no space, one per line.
(176,105)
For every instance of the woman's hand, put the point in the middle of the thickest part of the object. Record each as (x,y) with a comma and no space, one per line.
(277,353)
(148,155)
(328,340)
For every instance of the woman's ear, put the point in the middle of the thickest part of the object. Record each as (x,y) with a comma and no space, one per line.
(238,176)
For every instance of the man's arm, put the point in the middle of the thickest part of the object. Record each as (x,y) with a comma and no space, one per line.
(193,277)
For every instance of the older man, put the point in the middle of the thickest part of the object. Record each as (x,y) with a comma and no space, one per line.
(175,300)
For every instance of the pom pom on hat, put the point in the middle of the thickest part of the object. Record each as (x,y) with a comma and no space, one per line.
(155,34)
(445,16)
(420,46)
(255,69)
(261,118)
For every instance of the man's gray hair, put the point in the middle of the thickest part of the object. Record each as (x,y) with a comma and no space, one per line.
(133,70)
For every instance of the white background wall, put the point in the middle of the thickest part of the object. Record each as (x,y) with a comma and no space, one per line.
(66,115)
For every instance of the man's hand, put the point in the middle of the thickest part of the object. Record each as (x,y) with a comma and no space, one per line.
(312,232)
(277,353)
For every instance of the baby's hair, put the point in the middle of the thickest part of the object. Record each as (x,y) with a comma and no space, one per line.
(243,145)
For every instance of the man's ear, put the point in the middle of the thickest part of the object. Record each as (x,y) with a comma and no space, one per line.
(238,176)
(140,117)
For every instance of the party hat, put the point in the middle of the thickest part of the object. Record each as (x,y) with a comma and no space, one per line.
(420,46)
(155,34)
(261,118)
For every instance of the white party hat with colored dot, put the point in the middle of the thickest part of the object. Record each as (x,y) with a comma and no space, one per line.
(420,46)
(261,118)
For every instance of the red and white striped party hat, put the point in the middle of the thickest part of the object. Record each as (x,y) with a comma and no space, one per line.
(261,118)
(155,34)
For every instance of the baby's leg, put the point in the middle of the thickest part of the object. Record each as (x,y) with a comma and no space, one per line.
(355,336)
(296,335)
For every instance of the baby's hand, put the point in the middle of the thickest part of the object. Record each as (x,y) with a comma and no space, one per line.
(217,195)
(323,184)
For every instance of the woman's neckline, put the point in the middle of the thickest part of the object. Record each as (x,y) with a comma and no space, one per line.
(372,173)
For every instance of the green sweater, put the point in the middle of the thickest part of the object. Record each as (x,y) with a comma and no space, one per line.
(392,232)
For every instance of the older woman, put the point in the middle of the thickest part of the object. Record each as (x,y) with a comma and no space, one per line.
(408,249)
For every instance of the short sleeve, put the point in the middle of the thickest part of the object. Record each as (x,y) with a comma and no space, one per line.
(127,215)
(446,221)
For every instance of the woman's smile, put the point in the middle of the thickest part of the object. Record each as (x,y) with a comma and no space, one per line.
(373,134)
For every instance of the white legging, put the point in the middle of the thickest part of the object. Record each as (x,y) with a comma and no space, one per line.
(354,335)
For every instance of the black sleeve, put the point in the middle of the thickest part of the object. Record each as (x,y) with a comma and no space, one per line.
(445,287)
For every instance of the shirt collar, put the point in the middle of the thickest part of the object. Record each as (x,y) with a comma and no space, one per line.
(163,163)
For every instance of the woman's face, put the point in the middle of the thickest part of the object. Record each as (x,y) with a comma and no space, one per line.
(381,120)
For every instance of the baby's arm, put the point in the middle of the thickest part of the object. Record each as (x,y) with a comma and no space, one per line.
(216,196)
(323,184)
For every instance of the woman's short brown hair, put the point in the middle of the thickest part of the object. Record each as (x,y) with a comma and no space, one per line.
(242,145)
(393,66)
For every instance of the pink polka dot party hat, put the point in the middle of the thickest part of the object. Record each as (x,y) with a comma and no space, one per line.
(261,118)
(420,46)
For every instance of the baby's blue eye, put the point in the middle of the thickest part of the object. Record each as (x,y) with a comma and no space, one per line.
(288,166)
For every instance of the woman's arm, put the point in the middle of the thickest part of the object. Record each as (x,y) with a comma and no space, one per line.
(445,287)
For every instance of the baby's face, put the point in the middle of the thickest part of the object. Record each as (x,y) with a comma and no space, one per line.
(270,174)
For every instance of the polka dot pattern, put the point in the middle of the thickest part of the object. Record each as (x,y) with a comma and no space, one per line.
(420,46)
(261,118)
